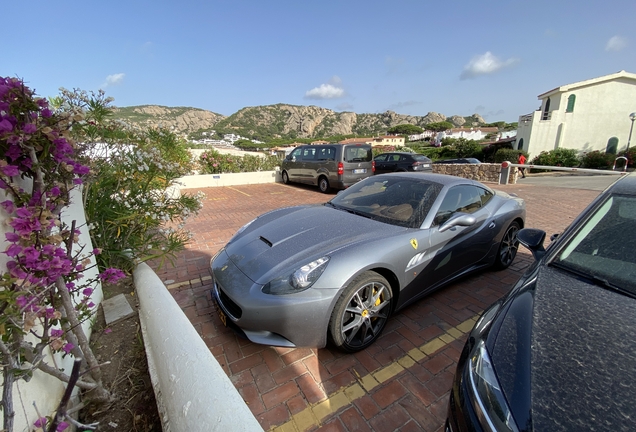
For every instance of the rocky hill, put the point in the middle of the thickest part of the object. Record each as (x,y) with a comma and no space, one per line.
(281,121)
(178,119)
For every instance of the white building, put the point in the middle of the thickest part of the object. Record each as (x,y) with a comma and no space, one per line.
(586,116)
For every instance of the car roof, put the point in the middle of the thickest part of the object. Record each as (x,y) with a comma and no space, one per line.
(624,186)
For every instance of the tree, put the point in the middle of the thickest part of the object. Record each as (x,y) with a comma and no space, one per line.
(405,129)
(439,126)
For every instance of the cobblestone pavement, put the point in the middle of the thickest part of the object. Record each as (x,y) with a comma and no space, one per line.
(401,382)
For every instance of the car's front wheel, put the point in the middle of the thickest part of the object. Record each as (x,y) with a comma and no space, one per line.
(285,177)
(361,312)
(508,247)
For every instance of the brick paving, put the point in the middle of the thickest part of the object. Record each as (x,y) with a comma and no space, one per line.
(402,381)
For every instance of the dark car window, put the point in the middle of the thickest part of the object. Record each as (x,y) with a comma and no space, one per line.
(605,246)
(309,153)
(398,201)
(326,153)
(358,154)
(464,198)
(485,195)
(381,158)
(393,158)
(296,154)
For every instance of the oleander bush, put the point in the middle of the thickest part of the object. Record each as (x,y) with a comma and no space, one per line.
(214,162)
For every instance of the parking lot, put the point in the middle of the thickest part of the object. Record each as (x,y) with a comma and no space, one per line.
(399,383)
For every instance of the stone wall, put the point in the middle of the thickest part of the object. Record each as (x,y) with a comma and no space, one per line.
(485,172)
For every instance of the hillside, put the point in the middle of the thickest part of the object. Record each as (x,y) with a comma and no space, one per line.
(280,121)
(179,119)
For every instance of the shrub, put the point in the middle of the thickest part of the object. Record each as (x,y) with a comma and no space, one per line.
(213,162)
(557,157)
(506,154)
(130,208)
(597,160)
(468,149)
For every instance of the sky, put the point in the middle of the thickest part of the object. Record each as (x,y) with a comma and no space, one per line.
(454,57)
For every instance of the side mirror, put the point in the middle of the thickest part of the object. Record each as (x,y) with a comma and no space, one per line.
(458,219)
(533,240)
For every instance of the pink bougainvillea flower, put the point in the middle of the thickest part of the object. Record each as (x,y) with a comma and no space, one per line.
(56,333)
(10,170)
(68,347)
(12,237)
(108,330)
(8,206)
(13,152)
(40,423)
(55,191)
(5,126)
(46,113)
(13,250)
(111,275)
(61,426)
(29,128)
(77,181)
(87,291)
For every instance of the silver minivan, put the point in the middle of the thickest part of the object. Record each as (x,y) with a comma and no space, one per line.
(328,166)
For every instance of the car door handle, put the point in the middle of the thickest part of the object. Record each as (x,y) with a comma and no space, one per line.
(492,225)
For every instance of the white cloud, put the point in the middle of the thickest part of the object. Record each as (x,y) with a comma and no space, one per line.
(115,79)
(485,64)
(616,43)
(332,90)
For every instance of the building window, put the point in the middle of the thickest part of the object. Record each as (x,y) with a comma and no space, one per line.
(612,146)
(520,144)
(571,100)
(546,110)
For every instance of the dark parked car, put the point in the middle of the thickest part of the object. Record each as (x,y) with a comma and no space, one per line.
(304,275)
(401,161)
(558,352)
(458,161)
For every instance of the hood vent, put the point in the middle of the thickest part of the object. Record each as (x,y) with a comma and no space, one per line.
(267,242)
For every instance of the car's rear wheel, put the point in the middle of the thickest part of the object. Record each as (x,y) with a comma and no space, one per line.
(323,184)
(361,312)
(508,247)
(285,177)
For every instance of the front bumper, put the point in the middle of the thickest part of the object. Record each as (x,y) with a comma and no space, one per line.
(291,320)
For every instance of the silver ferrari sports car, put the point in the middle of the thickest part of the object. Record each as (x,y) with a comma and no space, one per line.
(313,274)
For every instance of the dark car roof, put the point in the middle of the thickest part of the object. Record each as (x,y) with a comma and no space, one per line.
(624,186)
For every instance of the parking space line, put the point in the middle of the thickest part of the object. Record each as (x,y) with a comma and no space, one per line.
(314,414)
(239,191)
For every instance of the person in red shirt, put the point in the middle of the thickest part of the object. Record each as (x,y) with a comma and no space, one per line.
(522,161)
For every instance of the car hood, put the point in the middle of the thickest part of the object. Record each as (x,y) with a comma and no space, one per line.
(294,236)
(583,361)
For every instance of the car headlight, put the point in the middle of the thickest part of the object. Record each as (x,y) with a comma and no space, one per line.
(487,398)
(299,280)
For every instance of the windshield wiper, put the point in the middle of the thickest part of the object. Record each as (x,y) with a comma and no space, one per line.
(598,280)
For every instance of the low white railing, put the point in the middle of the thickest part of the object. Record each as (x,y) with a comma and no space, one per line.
(193,392)
(507,166)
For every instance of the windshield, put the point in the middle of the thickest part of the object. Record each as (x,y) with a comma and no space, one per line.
(604,248)
(395,200)
(420,158)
